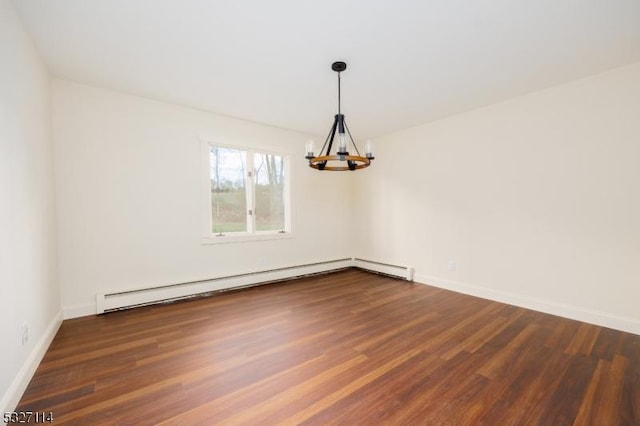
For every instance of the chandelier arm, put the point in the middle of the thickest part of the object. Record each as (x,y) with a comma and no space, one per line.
(350,137)
(332,136)
(331,130)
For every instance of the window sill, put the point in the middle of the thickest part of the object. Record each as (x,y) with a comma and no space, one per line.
(244,238)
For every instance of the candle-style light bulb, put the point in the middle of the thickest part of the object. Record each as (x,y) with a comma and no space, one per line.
(368,150)
(310,150)
(342,142)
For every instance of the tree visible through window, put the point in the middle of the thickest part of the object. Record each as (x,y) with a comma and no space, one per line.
(269,191)
(228,190)
(247,191)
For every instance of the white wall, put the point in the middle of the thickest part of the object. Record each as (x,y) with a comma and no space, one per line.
(129,185)
(537,200)
(29,291)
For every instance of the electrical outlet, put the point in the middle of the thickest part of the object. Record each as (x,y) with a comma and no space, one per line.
(25,333)
(453,265)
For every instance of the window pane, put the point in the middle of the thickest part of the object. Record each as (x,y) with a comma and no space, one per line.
(269,192)
(228,190)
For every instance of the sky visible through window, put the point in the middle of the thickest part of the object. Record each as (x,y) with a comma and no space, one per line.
(231,166)
(227,165)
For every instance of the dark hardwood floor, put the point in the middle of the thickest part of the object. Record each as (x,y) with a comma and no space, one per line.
(348,348)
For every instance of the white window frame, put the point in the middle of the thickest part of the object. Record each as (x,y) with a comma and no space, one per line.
(208,237)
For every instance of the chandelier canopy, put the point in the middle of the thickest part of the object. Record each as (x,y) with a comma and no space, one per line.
(340,159)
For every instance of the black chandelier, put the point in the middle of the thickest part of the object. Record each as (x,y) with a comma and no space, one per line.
(341,160)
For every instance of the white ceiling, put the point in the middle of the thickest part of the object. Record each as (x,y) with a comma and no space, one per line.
(409,61)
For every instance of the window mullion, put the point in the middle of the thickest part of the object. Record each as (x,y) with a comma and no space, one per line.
(251,210)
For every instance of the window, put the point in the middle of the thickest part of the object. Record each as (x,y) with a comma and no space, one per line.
(248,194)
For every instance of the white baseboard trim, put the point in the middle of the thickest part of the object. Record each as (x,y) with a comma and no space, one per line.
(630,325)
(106,301)
(12,397)
(119,299)
(404,272)
(109,301)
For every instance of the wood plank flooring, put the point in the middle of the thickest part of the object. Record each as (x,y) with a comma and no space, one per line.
(348,348)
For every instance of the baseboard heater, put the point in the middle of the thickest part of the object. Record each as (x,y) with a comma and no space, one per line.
(405,272)
(108,302)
